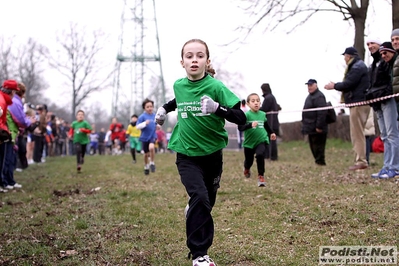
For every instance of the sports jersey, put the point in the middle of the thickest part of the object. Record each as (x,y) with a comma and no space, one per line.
(148,132)
(132,131)
(195,133)
(255,135)
(78,136)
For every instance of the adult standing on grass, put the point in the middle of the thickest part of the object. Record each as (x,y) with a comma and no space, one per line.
(198,138)
(270,105)
(79,131)
(314,123)
(354,85)
(7,92)
(395,71)
(387,113)
(256,138)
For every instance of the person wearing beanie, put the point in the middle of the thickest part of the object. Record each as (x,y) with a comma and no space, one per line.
(7,92)
(354,85)
(387,113)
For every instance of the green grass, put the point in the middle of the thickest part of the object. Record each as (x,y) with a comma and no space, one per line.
(111,214)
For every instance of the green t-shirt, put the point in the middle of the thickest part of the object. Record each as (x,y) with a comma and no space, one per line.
(197,134)
(255,135)
(78,136)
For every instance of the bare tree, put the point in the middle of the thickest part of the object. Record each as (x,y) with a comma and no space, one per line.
(7,60)
(78,60)
(30,59)
(395,14)
(274,12)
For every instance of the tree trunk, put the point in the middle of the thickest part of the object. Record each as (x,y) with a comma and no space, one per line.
(395,14)
(359,18)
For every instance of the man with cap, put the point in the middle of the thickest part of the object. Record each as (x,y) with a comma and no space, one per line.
(387,113)
(314,122)
(7,92)
(354,85)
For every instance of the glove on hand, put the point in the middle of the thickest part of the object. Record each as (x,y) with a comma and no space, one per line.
(208,106)
(160,116)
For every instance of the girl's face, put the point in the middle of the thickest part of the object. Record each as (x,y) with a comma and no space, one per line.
(195,60)
(149,108)
(254,103)
(80,116)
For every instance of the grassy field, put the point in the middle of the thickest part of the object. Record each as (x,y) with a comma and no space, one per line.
(111,214)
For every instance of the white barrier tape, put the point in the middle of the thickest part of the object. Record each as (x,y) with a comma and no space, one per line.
(337,106)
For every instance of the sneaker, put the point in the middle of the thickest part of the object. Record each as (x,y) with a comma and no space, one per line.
(388,174)
(8,187)
(203,261)
(377,175)
(79,168)
(146,171)
(261,181)
(18,169)
(16,185)
(3,190)
(152,167)
(247,173)
(134,161)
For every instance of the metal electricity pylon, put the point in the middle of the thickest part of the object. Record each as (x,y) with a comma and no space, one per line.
(138,67)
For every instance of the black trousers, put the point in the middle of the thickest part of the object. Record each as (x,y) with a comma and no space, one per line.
(80,150)
(23,161)
(201,177)
(317,143)
(38,148)
(271,151)
(259,151)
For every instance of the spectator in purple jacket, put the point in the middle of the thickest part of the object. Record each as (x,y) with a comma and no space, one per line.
(22,121)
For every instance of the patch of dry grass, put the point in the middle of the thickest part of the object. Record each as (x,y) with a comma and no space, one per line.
(111,214)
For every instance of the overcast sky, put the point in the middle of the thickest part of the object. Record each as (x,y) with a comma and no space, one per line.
(285,61)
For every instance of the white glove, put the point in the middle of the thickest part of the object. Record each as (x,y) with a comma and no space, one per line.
(160,116)
(208,106)
(1,111)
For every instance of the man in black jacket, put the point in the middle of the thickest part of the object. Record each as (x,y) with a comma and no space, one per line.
(271,108)
(314,122)
(353,87)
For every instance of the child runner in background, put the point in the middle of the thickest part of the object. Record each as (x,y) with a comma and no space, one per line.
(198,138)
(79,131)
(255,138)
(146,123)
(134,135)
(94,137)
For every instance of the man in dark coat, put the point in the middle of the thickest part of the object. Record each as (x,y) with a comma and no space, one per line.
(353,87)
(270,105)
(314,122)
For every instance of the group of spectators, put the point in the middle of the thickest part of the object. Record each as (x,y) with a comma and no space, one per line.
(366,90)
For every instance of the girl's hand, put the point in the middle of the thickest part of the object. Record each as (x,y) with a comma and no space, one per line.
(254,124)
(273,136)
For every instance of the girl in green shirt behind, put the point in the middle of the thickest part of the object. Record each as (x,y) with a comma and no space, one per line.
(255,138)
